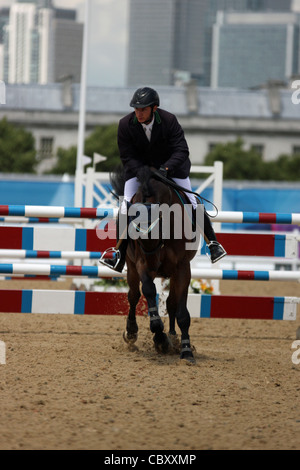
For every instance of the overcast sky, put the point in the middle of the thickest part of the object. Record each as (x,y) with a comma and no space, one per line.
(107,55)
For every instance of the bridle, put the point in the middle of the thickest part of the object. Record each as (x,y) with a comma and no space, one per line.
(151,227)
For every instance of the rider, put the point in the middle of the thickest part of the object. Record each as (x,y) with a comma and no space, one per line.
(152,136)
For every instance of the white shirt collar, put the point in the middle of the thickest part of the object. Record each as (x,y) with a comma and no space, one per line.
(148,126)
(148,129)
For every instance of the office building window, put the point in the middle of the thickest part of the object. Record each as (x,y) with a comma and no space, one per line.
(258,148)
(296,150)
(46,148)
(211,146)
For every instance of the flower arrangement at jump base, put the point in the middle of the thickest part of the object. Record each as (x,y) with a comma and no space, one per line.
(107,284)
(197,286)
(200,287)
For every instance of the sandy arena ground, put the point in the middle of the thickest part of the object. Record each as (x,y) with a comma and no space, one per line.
(70,382)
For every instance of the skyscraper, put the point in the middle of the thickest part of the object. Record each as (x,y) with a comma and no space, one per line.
(22,44)
(41,44)
(250,49)
(167,37)
(67,49)
(151,42)
(4,18)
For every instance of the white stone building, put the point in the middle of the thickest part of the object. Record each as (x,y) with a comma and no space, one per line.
(266,119)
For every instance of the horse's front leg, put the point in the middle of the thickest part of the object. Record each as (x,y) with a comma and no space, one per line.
(156,324)
(133,280)
(149,291)
(179,293)
(171,309)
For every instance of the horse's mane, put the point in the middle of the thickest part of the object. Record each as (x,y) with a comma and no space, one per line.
(144,175)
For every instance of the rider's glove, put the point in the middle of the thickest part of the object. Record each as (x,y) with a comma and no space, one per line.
(163,171)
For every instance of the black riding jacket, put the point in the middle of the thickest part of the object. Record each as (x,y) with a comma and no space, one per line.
(167,147)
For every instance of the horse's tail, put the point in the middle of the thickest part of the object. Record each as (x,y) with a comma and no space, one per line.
(117,181)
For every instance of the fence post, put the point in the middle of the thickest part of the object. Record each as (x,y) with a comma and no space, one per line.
(89,187)
(78,188)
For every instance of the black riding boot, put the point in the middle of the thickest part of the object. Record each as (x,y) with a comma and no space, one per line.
(217,252)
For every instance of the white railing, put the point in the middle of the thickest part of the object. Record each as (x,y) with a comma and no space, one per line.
(215,178)
(95,185)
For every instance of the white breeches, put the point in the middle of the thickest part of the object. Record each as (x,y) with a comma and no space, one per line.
(131,187)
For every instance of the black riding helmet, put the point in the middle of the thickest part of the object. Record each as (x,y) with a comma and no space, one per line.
(144,97)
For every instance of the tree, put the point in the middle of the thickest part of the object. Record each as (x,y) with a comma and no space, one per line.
(103,140)
(285,168)
(239,164)
(17,149)
(66,161)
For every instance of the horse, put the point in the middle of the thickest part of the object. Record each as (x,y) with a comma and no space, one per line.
(148,258)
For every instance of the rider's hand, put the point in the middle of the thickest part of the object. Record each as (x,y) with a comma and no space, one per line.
(163,171)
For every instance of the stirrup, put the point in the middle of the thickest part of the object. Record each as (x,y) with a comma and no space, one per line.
(222,254)
(104,261)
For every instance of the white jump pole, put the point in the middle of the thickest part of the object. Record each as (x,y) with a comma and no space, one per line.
(82,110)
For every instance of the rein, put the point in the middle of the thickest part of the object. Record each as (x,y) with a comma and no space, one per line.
(174,185)
(162,242)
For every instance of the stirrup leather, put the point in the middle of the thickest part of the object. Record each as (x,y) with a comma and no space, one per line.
(117,253)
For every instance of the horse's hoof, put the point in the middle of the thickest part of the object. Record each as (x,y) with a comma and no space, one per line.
(156,325)
(188,359)
(187,353)
(161,343)
(130,338)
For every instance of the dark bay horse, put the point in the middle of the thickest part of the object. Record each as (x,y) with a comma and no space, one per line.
(162,256)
